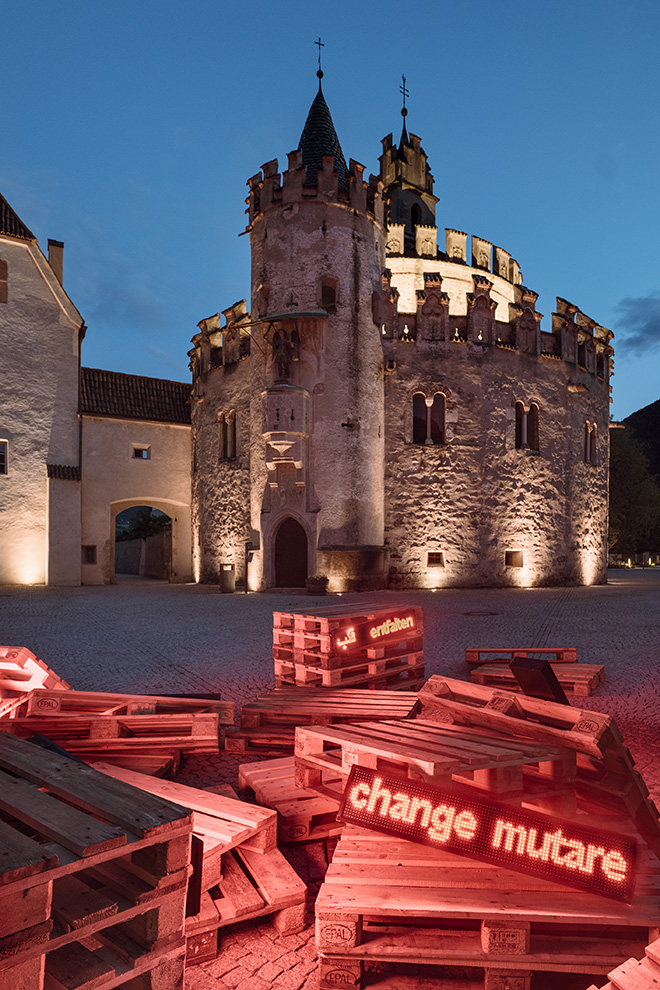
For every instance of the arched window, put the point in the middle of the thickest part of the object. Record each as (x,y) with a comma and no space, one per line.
(590,445)
(527,427)
(375,308)
(222,436)
(533,427)
(226,435)
(521,426)
(329,293)
(263,299)
(415,215)
(428,419)
(419,417)
(600,364)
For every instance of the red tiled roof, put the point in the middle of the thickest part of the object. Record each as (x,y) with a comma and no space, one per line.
(63,472)
(11,223)
(110,393)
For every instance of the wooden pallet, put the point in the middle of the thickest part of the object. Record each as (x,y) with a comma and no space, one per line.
(305,630)
(302,815)
(93,876)
(561,654)
(636,974)
(21,672)
(43,701)
(253,885)
(122,737)
(575,678)
(390,901)
(221,823)
(316,658)
(447,756)
(270,721)
(607,782)
(386,673)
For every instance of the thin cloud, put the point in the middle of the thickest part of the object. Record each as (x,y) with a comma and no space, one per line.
(638,325)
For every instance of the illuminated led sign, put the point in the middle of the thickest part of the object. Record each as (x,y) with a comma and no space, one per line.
(565,852)
(380,630)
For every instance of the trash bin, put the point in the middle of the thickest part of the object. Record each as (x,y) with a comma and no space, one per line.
(227,579)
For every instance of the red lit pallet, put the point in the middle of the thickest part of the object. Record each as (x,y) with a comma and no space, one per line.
(386,904)
(20,674)
(269,722)
(607,782)
(446,756)
(252,885)
(383,673)
(561,654)
(302,815)
(575,678)
(310,657)
(93,878)
(319,626)
(636,974)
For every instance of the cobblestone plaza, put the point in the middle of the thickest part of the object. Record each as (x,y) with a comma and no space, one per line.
(151,637)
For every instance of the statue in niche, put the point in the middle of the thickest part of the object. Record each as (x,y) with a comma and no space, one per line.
(285,349)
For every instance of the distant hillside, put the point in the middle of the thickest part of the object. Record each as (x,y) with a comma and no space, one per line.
(645,427)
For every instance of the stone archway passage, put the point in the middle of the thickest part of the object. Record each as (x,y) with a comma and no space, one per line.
(290,555)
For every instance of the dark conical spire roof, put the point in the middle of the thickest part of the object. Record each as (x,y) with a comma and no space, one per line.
(11,223)
(319,138)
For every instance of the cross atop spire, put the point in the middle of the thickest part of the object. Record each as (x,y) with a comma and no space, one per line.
(404,92)
(320,70)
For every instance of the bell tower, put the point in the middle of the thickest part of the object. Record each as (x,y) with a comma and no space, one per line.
(318,251)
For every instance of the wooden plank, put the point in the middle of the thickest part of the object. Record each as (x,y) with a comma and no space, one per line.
(76,904)
(85,788)
(77,831)
(21,856)
(32,906)
(49,701)
(235,821)
(579,679)
(562,654)
(237,896)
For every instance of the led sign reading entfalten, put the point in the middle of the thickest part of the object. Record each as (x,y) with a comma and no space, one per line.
(563,851)
(380,630)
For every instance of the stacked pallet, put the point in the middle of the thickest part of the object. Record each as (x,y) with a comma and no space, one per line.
(239,871)
(491,667)
(269,722)
(636,974)
(148,733)
(93,877)
(20,674)
(306,650)
(606,781)
(386,903)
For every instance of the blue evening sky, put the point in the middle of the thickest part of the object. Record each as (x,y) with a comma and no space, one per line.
(129,130)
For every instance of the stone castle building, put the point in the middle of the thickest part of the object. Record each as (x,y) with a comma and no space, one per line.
(387,412)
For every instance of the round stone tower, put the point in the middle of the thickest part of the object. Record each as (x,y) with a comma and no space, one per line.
(317,421)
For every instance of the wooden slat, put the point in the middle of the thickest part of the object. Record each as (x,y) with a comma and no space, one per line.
(21,856)
(76,904)
(48,701)
(85,788)
(77,831)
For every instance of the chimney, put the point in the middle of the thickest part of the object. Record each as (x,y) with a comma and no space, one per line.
(56,257)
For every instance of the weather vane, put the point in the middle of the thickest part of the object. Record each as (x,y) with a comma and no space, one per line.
(320,45)
(404,92)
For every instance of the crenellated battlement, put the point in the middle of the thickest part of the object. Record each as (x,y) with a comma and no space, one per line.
(269,189)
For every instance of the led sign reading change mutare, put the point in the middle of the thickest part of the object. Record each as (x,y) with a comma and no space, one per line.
(563,851)
(379,630)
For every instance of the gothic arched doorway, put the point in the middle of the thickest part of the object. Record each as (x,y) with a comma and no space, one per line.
(290,555)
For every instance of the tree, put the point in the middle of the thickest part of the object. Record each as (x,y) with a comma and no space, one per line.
(147,522)
(634,497)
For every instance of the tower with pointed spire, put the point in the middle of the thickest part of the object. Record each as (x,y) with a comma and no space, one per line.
(309,402)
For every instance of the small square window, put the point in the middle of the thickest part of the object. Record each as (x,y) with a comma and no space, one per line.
(89,554)
(3,456)
(435,558)
(142,451)
(513,558)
